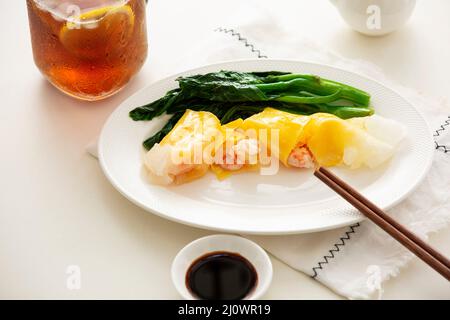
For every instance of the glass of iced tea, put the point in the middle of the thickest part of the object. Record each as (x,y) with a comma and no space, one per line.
(89,49)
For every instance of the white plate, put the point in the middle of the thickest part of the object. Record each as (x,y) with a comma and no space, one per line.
(293,201)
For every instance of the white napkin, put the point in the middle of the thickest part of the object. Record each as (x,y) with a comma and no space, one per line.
(353,261)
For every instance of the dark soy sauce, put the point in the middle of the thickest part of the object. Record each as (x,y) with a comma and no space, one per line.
(221,275)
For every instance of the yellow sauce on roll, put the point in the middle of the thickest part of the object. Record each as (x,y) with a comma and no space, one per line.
(233,135)
(290,129)
(327,136)
(187,151)
(198,142)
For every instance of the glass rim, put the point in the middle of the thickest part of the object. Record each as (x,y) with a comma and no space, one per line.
(70,18)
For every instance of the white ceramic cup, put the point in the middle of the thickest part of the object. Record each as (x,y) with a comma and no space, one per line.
(375,17)
(221,242)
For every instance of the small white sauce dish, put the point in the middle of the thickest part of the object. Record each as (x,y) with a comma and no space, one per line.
(222,242)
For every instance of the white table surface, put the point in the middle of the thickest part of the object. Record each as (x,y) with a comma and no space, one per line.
(57,209)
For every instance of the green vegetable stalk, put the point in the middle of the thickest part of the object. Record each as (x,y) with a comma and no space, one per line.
(231,95)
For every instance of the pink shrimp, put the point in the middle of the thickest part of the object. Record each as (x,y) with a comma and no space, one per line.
(301,157)
(239,155)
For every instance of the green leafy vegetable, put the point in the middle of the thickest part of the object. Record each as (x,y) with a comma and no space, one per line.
(231,95)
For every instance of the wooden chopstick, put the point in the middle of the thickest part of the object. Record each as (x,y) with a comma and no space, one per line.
(399,232)
(386,217)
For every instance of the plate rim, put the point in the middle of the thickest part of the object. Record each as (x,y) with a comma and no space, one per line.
(350,221)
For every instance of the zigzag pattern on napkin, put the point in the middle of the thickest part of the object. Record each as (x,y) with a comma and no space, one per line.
(335,249)
(245,41)
(438,132)
(445,149)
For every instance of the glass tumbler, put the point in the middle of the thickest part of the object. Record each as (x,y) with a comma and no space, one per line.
(89,49)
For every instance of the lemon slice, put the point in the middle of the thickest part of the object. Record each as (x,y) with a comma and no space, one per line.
(90,19)
(98,32)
